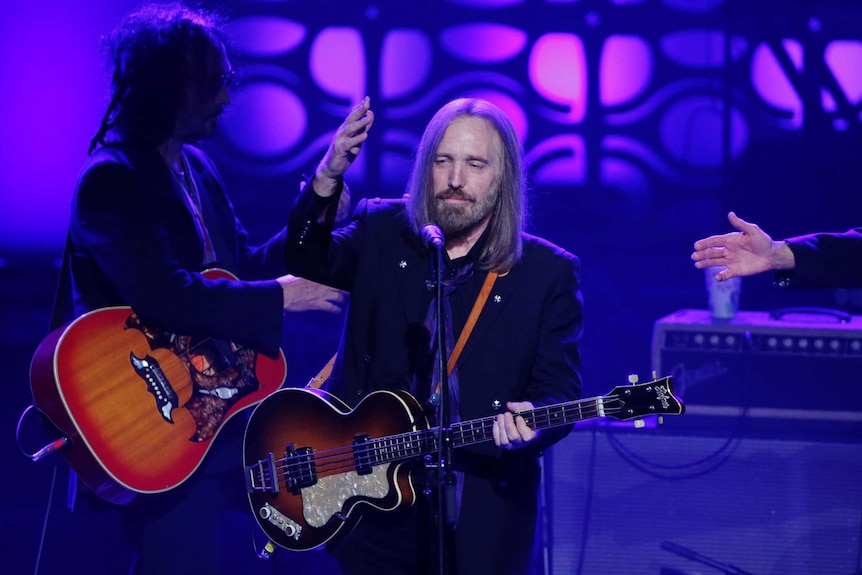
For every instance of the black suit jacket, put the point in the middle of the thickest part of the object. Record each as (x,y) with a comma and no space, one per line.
(826,260)
(134,242)
(524,347)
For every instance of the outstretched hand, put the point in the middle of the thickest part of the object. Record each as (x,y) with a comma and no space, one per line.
(745,252)
(345,146)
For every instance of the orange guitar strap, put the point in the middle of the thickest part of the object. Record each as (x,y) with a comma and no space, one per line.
(318,380)
(323,374)
(471,320)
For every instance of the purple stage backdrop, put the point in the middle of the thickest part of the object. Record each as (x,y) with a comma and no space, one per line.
(643,123)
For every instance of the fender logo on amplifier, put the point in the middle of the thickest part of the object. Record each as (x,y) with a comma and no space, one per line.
(754,366)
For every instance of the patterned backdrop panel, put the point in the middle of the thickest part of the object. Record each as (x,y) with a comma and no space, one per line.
(643,122)
(621,94)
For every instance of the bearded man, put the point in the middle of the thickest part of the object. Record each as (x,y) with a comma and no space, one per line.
(522,352)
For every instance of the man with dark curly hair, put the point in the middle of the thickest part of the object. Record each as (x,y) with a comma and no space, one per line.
(149,215)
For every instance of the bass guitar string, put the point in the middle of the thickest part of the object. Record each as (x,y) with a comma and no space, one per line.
(409,445)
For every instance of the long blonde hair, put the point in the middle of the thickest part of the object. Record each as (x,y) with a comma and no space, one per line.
(504,247)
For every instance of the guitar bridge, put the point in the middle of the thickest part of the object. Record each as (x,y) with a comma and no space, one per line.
(261,476)
(151,372)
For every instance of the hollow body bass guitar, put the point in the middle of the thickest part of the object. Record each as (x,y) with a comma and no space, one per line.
(312,464)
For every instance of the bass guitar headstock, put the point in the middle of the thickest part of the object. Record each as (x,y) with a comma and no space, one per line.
(635,401)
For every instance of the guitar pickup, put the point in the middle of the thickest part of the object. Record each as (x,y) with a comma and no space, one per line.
(300,470)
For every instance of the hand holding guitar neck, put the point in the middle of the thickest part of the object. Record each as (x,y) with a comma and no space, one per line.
(312,464)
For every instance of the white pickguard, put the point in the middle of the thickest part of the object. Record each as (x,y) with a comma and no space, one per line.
(327,497)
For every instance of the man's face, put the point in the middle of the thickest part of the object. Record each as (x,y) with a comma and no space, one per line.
(205,99)
(466,176)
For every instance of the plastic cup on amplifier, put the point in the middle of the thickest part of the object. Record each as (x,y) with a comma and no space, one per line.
(723,295)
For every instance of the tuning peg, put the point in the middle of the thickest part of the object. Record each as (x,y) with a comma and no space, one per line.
(654,375)
(660,419)
(633,378)
(638,423)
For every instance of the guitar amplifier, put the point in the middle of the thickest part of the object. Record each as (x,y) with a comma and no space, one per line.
(793,372)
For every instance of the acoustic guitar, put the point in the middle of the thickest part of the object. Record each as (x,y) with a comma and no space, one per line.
(140,405)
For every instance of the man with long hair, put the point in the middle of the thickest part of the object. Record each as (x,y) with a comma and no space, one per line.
(468,182)
(149,215)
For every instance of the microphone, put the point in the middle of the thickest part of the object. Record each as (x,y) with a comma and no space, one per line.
(431,235)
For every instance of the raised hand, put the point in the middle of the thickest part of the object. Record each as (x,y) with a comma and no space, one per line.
(345,146)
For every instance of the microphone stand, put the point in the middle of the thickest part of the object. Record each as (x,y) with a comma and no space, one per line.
(695,556)
(446,501)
